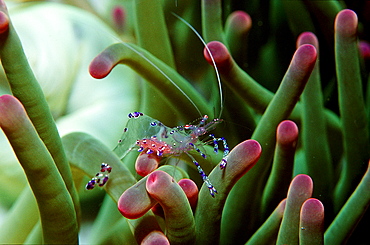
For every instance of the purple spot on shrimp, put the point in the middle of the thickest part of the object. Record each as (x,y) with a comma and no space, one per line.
(105,168)
(105,179)
(135,114)
(223,164)
(90,185)
(212,191)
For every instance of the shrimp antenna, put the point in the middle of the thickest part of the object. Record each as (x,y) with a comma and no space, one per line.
(163,73)
(169,79)
(213,60)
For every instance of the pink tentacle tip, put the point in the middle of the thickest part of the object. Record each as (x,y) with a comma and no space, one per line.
(100,67)
(303,62)
(240,21)
(346,23)
(6,101)
(302,184)
(307,38)
(12,113)
(220,54)
(364,49)
(158,182)
(6,98)
(312,211)
(242,158)
(248,151)
(4,22)
(191,191)
(312,218)
(146,163)
(134,202)
(125,209)
(281,207)
(306,55)
(155,237)
(287,133)
(118,14)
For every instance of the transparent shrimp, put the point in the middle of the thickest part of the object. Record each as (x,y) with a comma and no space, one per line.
(150,136)
(153,137)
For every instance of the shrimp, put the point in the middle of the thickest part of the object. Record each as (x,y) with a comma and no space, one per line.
(151,136)
(165,141)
